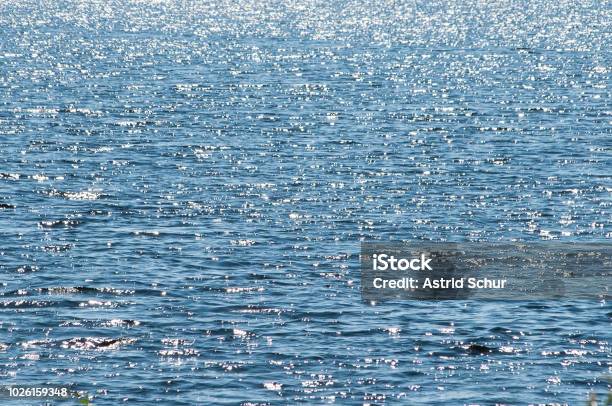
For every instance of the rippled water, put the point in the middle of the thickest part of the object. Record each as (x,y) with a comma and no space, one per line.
(184,187)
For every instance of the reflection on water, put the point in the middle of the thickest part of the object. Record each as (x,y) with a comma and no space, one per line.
(184,186)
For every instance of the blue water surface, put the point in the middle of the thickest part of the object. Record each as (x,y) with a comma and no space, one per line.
(184,186)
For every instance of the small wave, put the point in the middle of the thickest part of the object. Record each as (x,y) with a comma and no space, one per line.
(262,310)
(243,290)
(37,343)
(38,111)
(120,323)
(98,303)
(66,223)
(476,349)
(242,243)
(62,290)
(83,195)
(230,333)
(10,176)
(175,342)
(131,123)
(27,269)
(146,233)
(57,248)
(101,323)
(15,304)
(180,347)
(176,352)
(273,386)
(71,290)
(239,333)
(96,343)
(81,111)
(80,195)
(39,177)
